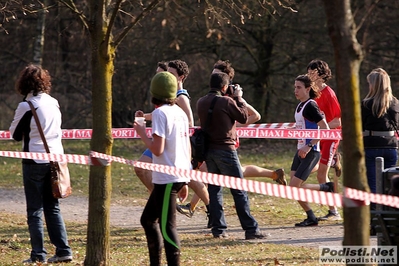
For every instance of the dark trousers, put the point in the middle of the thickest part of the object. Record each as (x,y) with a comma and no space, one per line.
(159,223)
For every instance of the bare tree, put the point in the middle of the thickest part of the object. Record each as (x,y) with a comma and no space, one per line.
(108,23)
(40,28)
(100,22)
(348,57)
(103,43)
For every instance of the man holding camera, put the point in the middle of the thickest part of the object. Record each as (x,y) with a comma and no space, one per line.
(222,156)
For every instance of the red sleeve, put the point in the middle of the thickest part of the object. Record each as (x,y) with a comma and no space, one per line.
(328,104)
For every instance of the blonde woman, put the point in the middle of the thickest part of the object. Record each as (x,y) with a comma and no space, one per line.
(380,120)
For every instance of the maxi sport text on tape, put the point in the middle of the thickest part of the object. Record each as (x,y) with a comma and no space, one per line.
(270,131)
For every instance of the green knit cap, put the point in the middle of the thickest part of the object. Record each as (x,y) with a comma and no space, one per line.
(163,86)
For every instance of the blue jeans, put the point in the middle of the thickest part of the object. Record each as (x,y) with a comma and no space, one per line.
(390,157)
(227,163)
(39,199)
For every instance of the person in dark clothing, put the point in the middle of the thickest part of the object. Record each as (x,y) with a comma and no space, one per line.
(380,120)
(248,170)
(222,156)
(394,191)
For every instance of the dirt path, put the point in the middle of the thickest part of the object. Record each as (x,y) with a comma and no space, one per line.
(75,209)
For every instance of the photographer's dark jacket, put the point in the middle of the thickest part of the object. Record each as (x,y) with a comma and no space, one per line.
(372,125)
(222,128)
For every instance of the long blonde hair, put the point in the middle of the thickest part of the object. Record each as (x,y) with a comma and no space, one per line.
(380,91)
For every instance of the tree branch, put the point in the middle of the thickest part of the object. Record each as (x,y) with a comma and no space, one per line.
(124,33)
(364,18)
(71,5)
(112,20)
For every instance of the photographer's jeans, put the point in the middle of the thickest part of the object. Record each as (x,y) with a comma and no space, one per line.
(227,163)
(390,157)
(39,199)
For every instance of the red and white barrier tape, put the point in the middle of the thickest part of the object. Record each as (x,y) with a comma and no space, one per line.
(5,134)
(242,132)
(70,158)
(351,198)
(364,196)
(130,132)
(273,125)
(287,192)
(247,132)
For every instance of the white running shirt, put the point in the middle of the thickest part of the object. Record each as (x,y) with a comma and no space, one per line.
(171,123)
(302,123)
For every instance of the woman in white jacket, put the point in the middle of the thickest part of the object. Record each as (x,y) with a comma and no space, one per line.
(34,84)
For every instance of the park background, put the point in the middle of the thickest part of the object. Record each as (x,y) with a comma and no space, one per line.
(268,49)
(102,55)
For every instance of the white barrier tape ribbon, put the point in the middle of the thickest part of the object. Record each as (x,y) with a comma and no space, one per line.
(364,196)
(70,158)
(325,198)
(273,125)
(99,161)
(242,132)
(130,132)
(246,132)
(352,197)
(294,193)
(5,134)
(352,202)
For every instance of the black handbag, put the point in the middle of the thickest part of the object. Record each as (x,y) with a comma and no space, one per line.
(199,139)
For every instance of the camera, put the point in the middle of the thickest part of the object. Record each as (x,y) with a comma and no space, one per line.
(232,89)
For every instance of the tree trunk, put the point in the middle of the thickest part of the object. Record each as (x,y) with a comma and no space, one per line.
(39,41)
(97,249)
(348,57)
(264,38)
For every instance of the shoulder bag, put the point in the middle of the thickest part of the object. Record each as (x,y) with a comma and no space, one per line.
(60,179)
(199,139)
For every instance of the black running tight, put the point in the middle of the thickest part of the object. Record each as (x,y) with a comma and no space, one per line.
(159,223)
